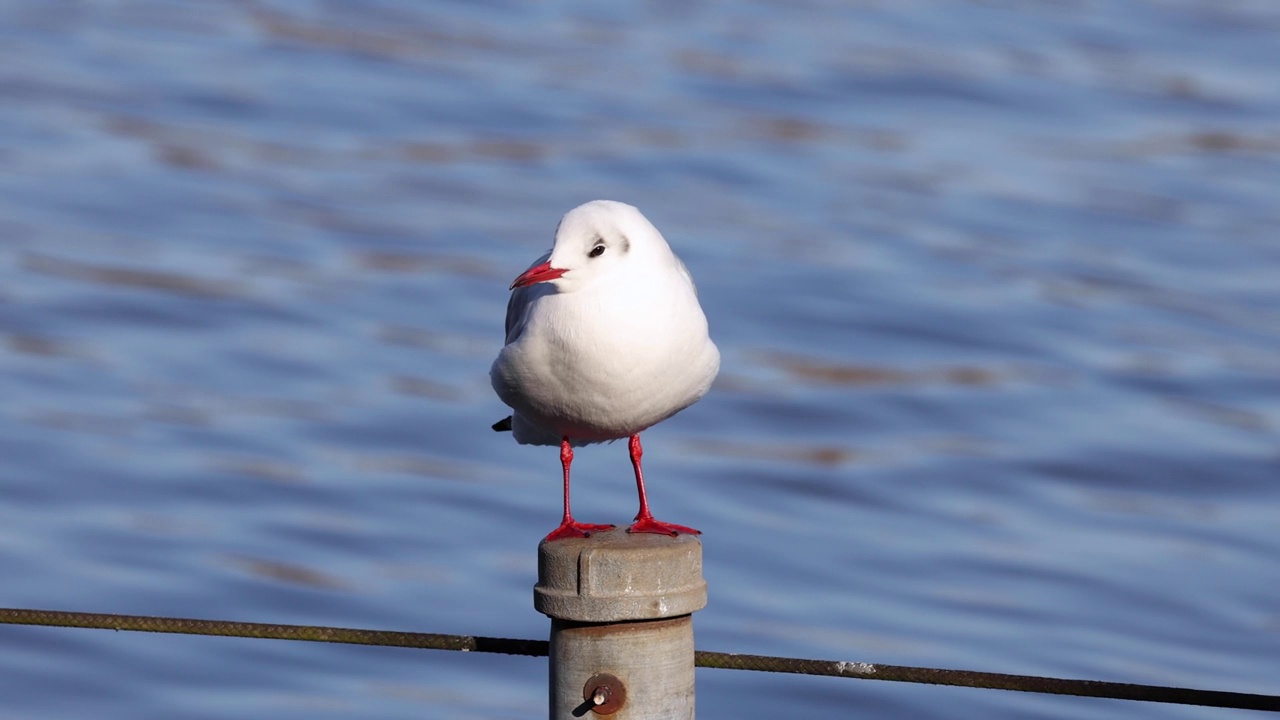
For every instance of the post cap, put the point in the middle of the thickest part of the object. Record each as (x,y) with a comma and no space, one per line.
(616,576)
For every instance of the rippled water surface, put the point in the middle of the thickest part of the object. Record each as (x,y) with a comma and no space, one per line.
(997,287)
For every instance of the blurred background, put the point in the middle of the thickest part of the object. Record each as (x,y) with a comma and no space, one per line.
(997,287)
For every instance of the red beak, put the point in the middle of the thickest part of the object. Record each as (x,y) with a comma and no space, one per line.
(537,274)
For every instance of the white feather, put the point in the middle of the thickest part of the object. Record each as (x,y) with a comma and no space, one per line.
(615,345)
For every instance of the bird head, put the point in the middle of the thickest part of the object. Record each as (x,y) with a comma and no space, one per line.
(595,242)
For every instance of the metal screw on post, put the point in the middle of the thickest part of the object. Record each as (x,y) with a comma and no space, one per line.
(621,608)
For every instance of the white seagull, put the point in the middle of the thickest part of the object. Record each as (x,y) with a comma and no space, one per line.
(605,338)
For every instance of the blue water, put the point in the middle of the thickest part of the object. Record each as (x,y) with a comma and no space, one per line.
(997,287)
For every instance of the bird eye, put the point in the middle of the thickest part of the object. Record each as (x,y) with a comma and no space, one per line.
(596,251)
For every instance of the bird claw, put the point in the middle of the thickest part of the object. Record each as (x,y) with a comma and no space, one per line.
(650,525)
(574,529)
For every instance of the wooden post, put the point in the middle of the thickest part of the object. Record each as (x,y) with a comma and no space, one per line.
(621,624)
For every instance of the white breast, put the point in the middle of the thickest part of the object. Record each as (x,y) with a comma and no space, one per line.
(607,361)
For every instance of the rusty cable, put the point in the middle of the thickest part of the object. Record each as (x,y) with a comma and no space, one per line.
(729,661)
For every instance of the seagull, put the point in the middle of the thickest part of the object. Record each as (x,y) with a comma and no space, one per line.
(605,338)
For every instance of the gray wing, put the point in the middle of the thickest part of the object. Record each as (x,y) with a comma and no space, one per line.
(520,301)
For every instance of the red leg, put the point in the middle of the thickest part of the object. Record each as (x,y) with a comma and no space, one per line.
(645,523)
(568,526)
